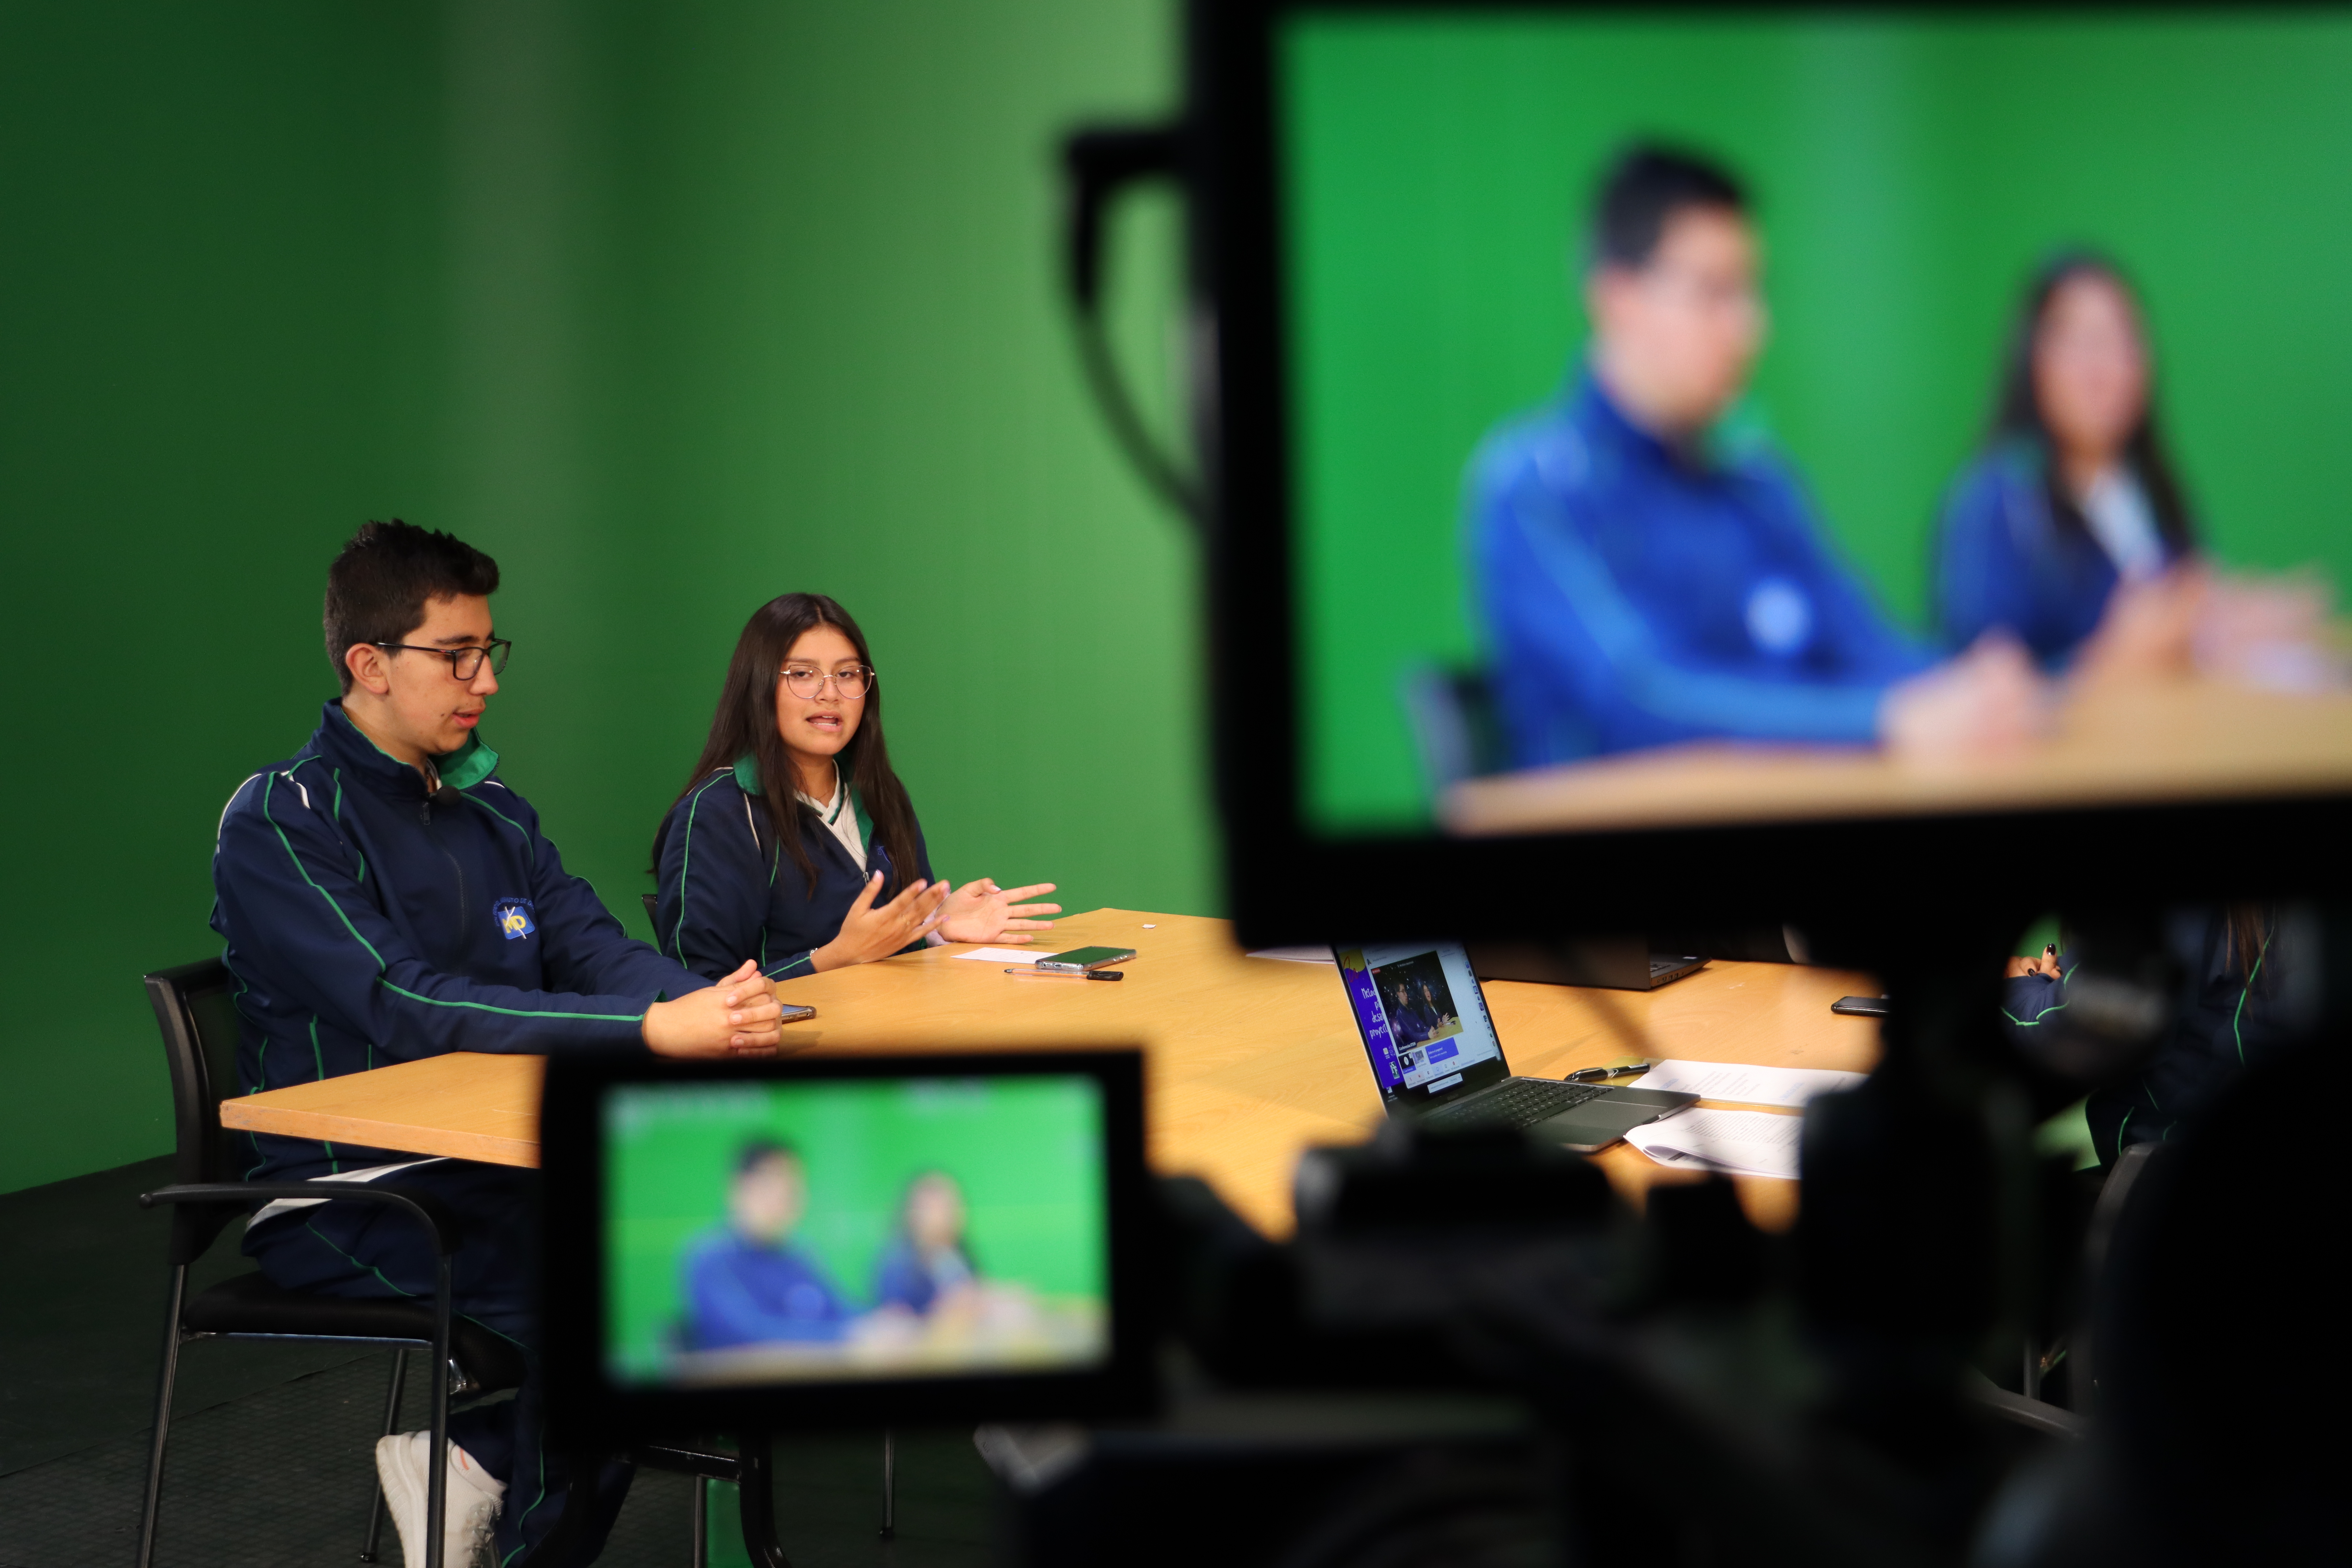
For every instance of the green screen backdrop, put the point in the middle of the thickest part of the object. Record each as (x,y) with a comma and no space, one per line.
(671,308)
(1026,1152)
(1907,176)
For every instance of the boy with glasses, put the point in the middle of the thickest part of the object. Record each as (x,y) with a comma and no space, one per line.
(385,897)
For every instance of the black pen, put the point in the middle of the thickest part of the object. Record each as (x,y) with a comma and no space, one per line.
(1593,1074)
(1066,975)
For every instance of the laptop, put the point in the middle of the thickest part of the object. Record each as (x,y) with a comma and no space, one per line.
(1435,1054)
(1624,964)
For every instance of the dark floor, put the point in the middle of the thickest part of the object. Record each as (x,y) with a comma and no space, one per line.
(270,1447)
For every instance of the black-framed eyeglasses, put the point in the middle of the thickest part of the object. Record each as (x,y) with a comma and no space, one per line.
(804,682)
(465,663)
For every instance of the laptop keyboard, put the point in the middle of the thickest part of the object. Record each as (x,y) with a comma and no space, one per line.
(1515,1102)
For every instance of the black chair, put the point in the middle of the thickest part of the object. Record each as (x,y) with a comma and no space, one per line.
(199,1024)
(1456,732)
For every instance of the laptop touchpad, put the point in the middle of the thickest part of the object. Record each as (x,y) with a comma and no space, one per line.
(1608,1116)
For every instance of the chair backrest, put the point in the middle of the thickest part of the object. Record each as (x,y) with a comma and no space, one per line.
(196,1014)
(1452,713)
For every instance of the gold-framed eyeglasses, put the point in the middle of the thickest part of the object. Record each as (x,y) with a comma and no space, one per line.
(465,663)
(804,682)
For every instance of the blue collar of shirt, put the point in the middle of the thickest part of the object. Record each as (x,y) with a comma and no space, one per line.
(1598,416)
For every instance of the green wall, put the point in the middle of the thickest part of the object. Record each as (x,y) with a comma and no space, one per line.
(671,308)
(1909,174)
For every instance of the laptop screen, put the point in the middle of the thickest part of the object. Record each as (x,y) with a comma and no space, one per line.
(1423,1019)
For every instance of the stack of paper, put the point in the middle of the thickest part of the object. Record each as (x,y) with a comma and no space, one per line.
(1008,955)
(1748,1085)
(1747,1142)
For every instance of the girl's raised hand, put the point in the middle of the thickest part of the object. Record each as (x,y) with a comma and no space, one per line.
(869,934)
(982,912)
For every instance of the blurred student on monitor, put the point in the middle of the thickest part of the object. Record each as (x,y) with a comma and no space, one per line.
(1648,577)
(2070,530)
(746,1283)
(2074,496)
(926,1265)
(793,846)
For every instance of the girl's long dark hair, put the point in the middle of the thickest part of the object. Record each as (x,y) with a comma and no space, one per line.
(2017,413)
(2246,932)
(746,722)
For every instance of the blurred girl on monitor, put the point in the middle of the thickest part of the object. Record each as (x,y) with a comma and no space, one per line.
(2070,530)
(2072,509)
(926,1263)
(794,844)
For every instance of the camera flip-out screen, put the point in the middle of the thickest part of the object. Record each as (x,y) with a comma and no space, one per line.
(804,1244)
(1643,448)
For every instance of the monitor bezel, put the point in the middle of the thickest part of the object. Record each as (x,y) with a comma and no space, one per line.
(1839,879)
(586,1408)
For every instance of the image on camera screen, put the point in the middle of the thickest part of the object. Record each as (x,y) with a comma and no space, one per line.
(1420,1009)
(823,1231)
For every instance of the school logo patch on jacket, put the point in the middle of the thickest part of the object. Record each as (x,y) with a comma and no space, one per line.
(513,916)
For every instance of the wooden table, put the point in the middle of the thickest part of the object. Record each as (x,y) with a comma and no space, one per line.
(2145,746)
(1249,1059)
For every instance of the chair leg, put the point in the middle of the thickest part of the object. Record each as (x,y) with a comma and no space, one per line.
(390,1424)
(758,1495)
(700,1528)
(176,1299)
(436,1490)
(890,1484)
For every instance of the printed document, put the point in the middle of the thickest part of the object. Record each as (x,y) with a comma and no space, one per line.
(1747,1142)
(1748,1085)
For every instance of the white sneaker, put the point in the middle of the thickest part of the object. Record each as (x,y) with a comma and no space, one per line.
(469,1513)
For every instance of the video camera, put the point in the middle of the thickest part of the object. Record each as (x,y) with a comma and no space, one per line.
(1471,1352)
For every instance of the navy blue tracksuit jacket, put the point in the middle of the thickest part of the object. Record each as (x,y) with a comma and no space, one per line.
(1633,596)
(2237,1011)
(367,924)
(728,892)
(2002,559)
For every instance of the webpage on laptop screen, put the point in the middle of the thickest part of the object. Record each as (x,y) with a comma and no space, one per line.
(1421,1013)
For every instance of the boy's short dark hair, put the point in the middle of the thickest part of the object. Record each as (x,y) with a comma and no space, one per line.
(1643,190)
(378,587)
(760,1151)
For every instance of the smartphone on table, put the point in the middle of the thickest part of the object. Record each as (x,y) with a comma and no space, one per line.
(1079,959)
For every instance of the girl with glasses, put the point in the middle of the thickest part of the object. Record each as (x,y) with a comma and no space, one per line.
(794,844)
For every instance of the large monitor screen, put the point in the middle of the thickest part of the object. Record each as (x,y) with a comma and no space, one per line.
(1726,417)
